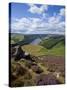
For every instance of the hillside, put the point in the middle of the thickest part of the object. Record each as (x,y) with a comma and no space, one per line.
(40,44)
(52,41)
(35,50)
(42,71)
(37,60)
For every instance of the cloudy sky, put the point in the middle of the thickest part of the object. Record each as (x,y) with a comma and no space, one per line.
(37,19)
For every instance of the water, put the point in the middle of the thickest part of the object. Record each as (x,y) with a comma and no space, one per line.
(36,41)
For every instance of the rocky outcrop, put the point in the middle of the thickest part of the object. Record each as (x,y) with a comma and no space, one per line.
(22,54)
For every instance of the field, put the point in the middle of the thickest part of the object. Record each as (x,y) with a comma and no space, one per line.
(37,60)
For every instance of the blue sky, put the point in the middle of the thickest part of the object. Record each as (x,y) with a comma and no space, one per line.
(37,19)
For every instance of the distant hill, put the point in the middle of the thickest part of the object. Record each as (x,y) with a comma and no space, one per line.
(52,41)
(21,39)
(16,38)
(40,44)
(27,39)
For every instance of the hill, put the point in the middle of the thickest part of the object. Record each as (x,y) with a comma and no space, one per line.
(35,50)
(40,63)
(40,44)
(52,41)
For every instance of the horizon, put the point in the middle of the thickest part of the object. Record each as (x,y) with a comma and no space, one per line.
(38,34)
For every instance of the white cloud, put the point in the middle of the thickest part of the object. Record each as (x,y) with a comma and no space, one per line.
(45,25)
(40,26)
(62,12)
(37,10)
(53,20)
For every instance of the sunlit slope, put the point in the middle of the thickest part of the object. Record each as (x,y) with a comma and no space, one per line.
(35,49)
(58,49)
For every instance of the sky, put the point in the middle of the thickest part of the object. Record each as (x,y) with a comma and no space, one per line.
(37,18)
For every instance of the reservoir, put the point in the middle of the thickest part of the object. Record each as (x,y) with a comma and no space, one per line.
(36,41)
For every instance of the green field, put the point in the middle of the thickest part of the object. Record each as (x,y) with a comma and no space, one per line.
(38,50)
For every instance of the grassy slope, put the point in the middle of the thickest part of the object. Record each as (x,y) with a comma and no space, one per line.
(58,49)
(38,50)
(35,49)
(55,46)
(52,41)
